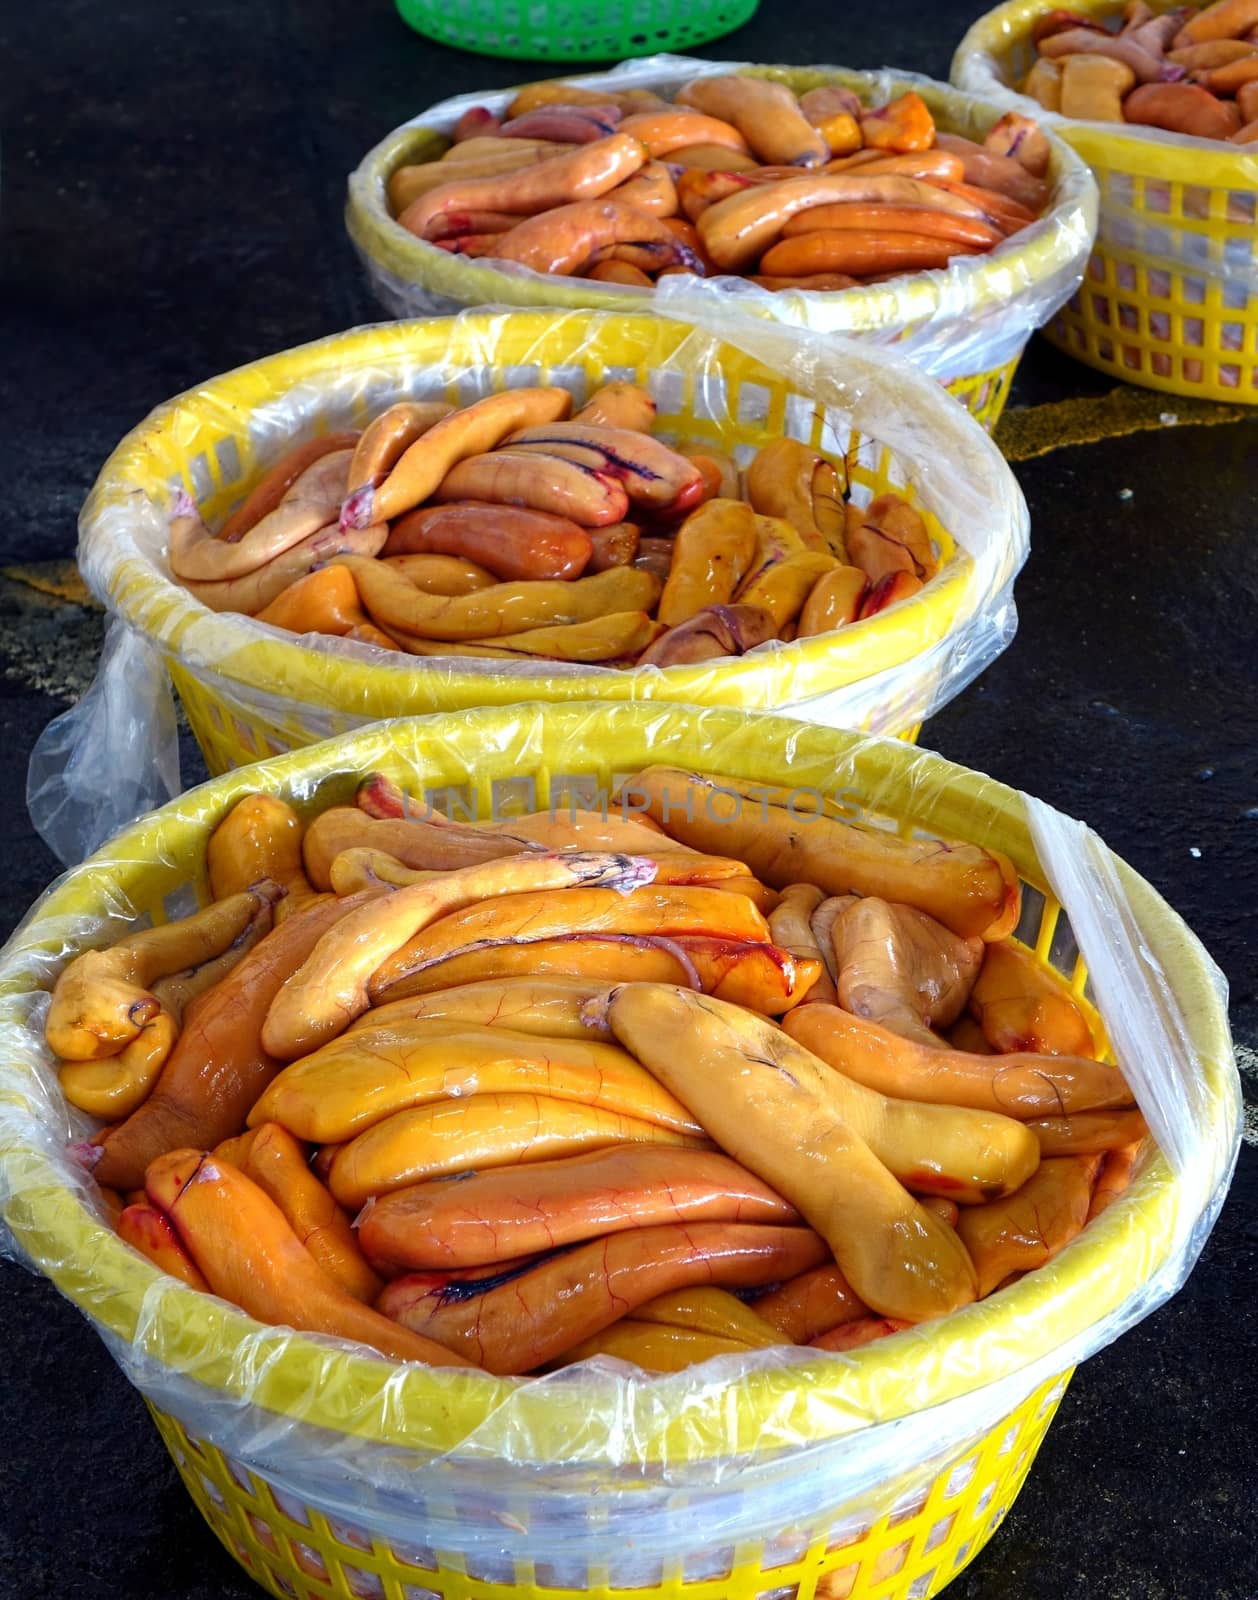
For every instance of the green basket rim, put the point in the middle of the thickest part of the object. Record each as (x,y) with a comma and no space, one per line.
(716,18)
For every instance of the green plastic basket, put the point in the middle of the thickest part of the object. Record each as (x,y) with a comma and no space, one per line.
(574,30)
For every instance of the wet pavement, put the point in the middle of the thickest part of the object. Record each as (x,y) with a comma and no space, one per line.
(171,186)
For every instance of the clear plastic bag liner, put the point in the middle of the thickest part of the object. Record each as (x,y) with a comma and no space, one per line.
(112,755)
(971,318)
(1142,1015)
(598,1457)
(1135,204)
(889,424)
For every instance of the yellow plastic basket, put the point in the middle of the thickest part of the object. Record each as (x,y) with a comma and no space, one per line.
(1170,298)
(252,691)
(966,327)
(228,1394)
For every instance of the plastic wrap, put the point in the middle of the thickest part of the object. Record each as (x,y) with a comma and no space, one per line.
(598,1467)
(251,689)
(1175,262)
(973,318)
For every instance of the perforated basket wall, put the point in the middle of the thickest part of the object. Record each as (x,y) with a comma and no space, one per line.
(910,1552)
(574,30)
(1170,296)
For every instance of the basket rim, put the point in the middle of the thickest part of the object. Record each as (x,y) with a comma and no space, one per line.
(425,1409)
(1043,248)
(1177,155)
(364,681)
(732,14)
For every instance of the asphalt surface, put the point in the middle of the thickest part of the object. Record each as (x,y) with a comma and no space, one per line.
(170,205)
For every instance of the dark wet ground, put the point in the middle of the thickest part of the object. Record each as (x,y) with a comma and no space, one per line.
(171,184)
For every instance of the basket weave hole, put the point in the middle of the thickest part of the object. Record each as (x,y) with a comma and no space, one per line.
(715,1561)
(786,1548)
(668,390)
(262,1533)
(193,1446)
(578,791)
(1233,336)
(1242,208)
(418,1556)
(837,1585)
(846,1534)
(365,1585)
(907,1510)
(1197,202)
(754,403)
(518,377)
(939,1531)
(890,1561)
(456,800)
(1157,198)
(227,454)
(1133,357)
(1121,190)
(468,387)
(410,1592)
(570,1574)
(1128,317)
(573,378)
(1237,255)
(212,1491)
(512,797)
(350,1535)
(1230,375)
(799,417)
(962,1475)
(310,1561)
(290,1506)
(920,1587)
(243,1476)
(639,1572)
(1101,308)
(490,1566)
(198,477)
